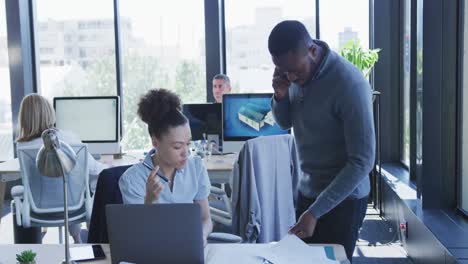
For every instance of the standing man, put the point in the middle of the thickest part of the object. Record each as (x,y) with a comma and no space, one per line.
(328,103)
(221,85)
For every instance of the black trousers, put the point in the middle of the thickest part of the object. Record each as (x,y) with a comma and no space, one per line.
(339,226)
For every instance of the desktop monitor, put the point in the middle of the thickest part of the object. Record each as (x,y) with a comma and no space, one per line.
(96,120)
(205,120)
(247,116)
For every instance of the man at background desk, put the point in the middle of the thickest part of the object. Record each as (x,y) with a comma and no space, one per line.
(221,85)
(328,103)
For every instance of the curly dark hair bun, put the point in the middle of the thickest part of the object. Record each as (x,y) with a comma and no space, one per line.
(161,109)
(156,104)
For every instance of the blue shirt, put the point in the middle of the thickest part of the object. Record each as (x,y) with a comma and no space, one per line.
(332,118)
(191,183)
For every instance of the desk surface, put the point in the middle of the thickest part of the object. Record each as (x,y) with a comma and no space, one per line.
(219,168)
(52,253)
(9,170)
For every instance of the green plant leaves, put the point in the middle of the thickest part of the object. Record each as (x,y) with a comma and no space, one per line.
(363,59)
(26,256)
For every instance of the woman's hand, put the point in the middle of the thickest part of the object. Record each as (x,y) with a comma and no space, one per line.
(153,187)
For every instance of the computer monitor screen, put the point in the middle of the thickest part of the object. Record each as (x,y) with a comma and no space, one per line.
(204,119)
(93,119)
(247,116)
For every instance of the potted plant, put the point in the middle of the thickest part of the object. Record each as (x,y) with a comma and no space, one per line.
(363,59)
(26,257)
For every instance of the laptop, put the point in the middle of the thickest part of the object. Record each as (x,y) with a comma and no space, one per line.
(156,233)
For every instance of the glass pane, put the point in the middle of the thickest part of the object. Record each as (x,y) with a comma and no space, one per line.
(75,47)
(248,25)
(419,90)
(6,131)
(349,22)
(163,46)
(464,176)
(406,82)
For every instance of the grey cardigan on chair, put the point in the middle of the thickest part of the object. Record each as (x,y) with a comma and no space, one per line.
(265,179)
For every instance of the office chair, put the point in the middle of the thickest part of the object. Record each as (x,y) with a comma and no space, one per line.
(264,187)
(220,207)
(107,192)
(39,201)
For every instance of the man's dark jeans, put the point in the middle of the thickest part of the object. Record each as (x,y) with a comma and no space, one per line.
(339,226)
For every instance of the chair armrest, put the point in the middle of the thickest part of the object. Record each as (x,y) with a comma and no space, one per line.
(17,192)
(221,213)
(217,191)
(221,195)
(223,238)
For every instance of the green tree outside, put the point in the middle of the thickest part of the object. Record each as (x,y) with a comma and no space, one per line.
(139,74)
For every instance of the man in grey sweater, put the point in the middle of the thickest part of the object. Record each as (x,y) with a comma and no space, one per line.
(328,103)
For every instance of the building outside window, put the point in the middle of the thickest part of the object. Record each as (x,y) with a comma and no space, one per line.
(68,26)
(163,46)
(248,25)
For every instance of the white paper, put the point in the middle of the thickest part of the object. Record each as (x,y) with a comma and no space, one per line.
(232,254)
(79,253)
(293,250)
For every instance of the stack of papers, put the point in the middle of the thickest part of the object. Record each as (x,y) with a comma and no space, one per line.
(293,250)
(290,250)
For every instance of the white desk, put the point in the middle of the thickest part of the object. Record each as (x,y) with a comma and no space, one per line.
(219,168)
(49,253)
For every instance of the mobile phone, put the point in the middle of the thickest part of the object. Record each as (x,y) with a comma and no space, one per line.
(87,253)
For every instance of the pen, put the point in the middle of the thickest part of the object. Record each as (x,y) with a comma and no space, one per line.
(157,173)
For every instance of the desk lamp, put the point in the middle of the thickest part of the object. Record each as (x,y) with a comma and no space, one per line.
(56,159)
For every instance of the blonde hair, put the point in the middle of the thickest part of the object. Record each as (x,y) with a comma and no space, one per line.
(36,115)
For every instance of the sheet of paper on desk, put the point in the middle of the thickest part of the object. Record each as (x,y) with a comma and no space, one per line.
(232,254)
(293,250)
(81,252)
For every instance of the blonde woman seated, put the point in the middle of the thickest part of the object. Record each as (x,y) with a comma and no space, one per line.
(168,173)
(36,114)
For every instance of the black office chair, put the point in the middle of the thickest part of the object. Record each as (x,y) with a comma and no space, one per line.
(108,192)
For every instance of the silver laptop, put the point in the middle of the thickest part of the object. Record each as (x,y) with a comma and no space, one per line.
(162,233)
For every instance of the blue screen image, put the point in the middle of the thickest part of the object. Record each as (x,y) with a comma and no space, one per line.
(249,116)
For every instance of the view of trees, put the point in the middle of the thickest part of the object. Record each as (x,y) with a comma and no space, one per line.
(139,74)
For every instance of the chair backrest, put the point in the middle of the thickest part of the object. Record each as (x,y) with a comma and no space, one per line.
(107,192)
(265,180)
(45,194)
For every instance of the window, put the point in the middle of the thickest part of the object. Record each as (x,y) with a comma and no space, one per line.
(406,84)
(62,72)
(6,130)
(338,26)
(248,25)
(419,90)
(463,191)
(163,46)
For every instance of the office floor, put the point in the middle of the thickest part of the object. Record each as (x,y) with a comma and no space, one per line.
(377,243)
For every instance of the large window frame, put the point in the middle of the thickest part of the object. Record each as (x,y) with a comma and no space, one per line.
(215,46)
(405,82)
(414,163)
(462,107)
